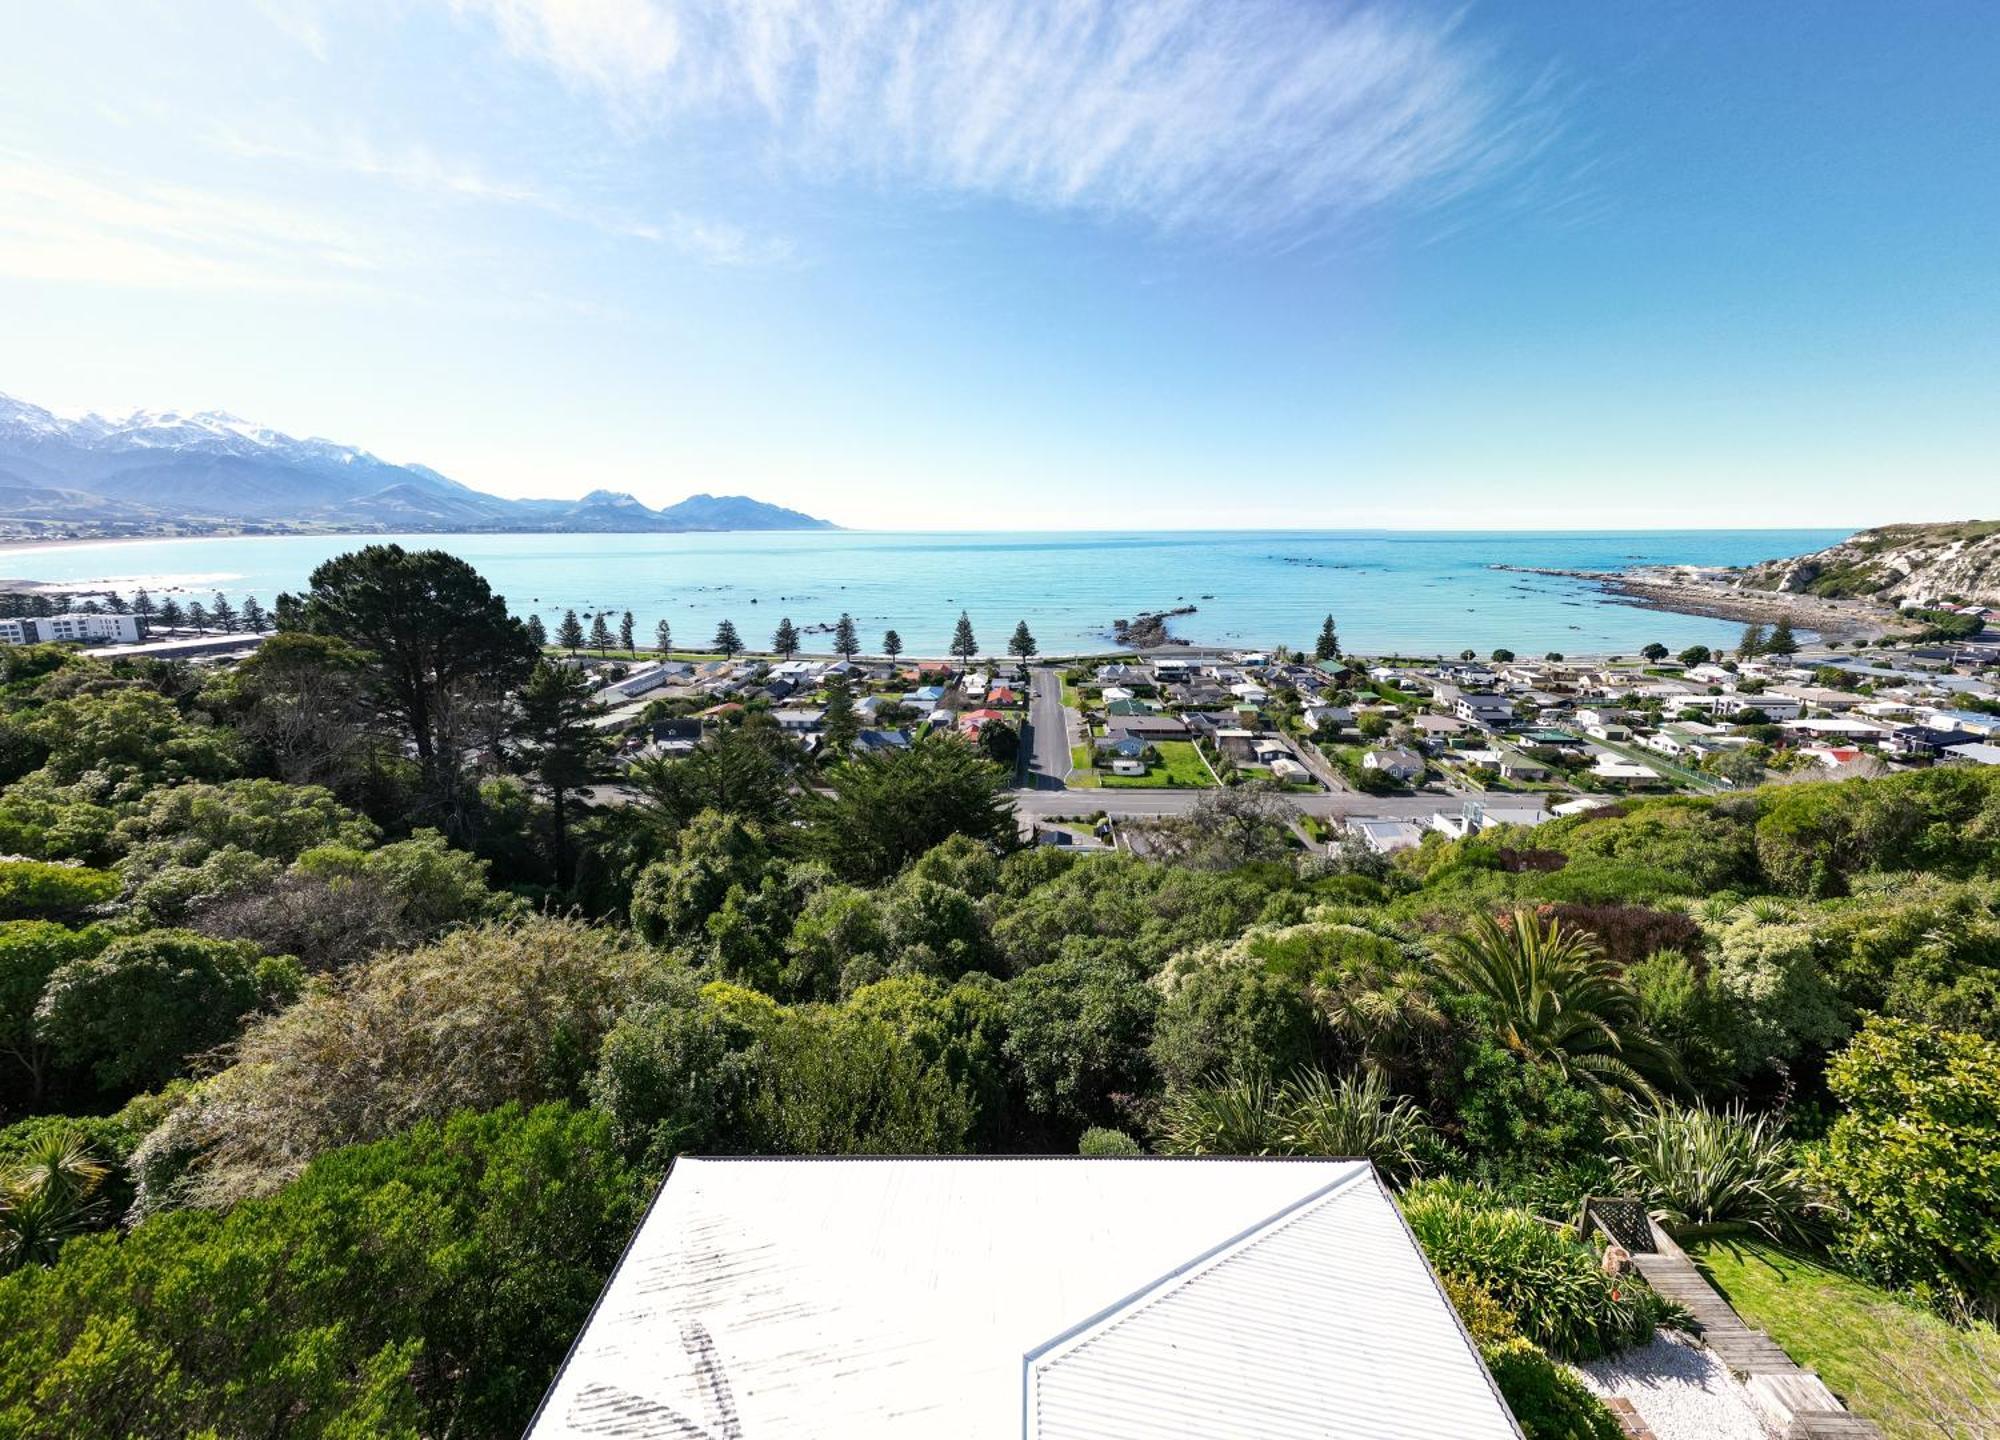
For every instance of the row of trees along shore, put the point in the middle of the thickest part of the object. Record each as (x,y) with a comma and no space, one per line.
(786,641)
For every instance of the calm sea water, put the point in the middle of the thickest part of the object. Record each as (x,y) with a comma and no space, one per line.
(1420,592)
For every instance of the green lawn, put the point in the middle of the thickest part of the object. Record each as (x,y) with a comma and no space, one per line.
(1180,768)
(1081,776)
(1891,1362)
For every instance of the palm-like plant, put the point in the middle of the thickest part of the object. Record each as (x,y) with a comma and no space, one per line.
(49,1195)
(1558,1000)
(1308,1114)
(1696,1166)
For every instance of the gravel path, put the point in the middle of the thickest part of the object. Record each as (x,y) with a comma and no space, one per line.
(1679,1389)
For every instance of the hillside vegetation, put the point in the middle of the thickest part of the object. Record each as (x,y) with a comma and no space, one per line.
(1901,564)
(341,1044)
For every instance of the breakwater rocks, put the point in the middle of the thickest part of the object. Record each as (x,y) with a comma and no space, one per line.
(1148,630)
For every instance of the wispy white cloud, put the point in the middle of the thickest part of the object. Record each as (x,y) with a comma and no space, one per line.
(420,169)
(1240,116)
(63,225)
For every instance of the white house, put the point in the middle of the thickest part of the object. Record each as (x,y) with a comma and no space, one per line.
(1338,716)
(1773,705)
(1386,836)
(995,1298)
(1288,771)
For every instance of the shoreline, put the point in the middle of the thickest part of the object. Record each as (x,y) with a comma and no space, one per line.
(1694,590)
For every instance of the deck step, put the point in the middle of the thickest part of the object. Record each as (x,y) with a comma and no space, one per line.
(1832,1425)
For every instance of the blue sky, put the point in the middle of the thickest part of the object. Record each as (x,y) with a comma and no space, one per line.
(1054,264)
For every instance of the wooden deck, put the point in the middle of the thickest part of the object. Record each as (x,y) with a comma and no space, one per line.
(1786,1393)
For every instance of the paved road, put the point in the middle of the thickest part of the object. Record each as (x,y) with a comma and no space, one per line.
(1137,804)
(1046,742)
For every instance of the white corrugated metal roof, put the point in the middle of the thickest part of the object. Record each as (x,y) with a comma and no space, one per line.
(979,1297)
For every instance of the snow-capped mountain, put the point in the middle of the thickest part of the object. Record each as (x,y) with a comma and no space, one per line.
(211,468)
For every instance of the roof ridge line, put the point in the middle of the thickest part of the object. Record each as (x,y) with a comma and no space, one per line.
(1180,1276)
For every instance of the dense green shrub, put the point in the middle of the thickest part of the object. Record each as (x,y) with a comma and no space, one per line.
(423,1285)
(1914,1159)
(1099,1141)
(1231,1020)
(33,890)
(1549,1401)
(1547,1280)
(1077,1031)
(1518,1115)
(139,1010)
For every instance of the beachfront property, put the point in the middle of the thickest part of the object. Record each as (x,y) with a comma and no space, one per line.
(73,628)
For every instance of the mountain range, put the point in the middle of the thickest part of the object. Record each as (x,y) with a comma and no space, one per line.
(167,472)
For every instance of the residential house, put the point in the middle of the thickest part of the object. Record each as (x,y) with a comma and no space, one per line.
(1614,770)
(1924,742)
(1484,708)
(973,721)
(924,699)
(1124,747)
(1335,717)
(799,721)
(1287,771)
(1385,837)
(1979,753)
(668,739)
(1973,722)
(872,741)
(1400,765)
(1148,727)
(1237,744)
(1772,704)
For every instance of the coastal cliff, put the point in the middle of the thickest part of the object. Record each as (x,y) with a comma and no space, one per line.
(1893,564)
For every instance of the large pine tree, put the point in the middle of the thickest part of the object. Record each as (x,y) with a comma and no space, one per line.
(1328,645)
(1781,641)
(1752,642)
(569,634)
(845,638)
(892,644)
(727,642)
(1021,643)
(559,747)
(663,637)
(785,641)
(626,642)
(600,633)
(963,645)
(839,726)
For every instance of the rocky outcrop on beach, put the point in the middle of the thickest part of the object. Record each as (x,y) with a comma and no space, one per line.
(1148,631)
(1920,565)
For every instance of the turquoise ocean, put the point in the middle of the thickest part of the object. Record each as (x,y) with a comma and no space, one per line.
(1390,591)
